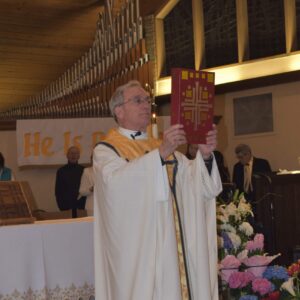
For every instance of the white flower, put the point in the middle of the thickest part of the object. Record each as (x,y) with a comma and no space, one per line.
(221,214)
(289,286)
(235,239)
(228,228)
(242,255)
(230,210)
(222,218)
(246,228)
(244,208)
(221,208)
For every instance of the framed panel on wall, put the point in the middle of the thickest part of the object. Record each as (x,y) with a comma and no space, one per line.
(253,114)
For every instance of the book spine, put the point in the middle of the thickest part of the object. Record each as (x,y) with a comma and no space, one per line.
(175,96)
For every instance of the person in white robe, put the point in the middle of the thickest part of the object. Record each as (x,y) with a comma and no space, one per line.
(86,189)
(136,246)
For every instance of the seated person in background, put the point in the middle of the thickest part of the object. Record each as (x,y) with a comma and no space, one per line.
(67,183)
(223,170)
(87,188)
(243,172)
(224,173)
(5,173)
(228,187)
(245,168)
(191,151)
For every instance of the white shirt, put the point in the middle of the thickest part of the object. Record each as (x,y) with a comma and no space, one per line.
(87,189)
(248,176)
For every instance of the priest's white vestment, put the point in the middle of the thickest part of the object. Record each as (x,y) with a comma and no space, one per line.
(135,244)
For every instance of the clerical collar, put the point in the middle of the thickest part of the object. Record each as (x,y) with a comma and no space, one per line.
(132,134)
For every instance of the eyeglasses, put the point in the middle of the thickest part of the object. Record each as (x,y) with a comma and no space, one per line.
(138,100)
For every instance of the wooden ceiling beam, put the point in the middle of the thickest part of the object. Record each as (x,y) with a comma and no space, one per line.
(43,50)
(39,59)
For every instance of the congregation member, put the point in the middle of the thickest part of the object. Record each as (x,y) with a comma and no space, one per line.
(67,183)
(86,188)
(245,168)
(5,173)
(223,170)
(155,219)
(191,151)
(227,186)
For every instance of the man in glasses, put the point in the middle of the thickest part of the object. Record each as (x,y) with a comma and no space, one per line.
(245,168)
(155,224)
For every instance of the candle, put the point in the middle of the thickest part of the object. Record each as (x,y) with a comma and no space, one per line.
(154,131)
(154,127)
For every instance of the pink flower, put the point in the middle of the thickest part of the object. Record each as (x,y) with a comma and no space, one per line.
(257,243)
(262,285)
(240,279)
(228,265)
(258,263)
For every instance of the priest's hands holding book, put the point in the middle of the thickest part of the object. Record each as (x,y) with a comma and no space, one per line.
(175,136)
(211,143)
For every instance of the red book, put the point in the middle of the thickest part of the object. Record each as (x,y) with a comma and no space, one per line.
(192,102)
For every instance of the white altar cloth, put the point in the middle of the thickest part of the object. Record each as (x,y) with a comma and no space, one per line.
(47,260)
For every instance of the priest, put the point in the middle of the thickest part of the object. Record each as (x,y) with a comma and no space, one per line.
(155,223)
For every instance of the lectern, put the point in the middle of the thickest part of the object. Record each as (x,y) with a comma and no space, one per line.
(278,209)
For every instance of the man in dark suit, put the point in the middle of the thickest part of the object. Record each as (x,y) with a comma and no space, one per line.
(67,183)
(243,173)
(247,166)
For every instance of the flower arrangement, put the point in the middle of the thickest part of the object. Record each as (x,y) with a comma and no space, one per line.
(243,266)
(292,286)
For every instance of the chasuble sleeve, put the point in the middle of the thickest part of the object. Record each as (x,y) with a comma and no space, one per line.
(145,171)
(196,190)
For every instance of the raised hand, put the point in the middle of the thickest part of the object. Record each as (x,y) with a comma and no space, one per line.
(211,143)
(173,137)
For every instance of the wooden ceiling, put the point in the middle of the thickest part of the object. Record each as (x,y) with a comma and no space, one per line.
(39,40)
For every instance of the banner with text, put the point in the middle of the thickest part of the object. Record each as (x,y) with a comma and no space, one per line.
(45,142)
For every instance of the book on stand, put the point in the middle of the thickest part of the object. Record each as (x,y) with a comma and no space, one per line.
(192,102)
(14,203)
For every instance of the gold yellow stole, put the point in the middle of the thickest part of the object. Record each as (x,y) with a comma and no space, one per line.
(131,149)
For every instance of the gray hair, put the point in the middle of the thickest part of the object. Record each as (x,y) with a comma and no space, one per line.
(243,149)
(118,96)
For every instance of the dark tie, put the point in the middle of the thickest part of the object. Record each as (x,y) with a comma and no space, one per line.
(136,134)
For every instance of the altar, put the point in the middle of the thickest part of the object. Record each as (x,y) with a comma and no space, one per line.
(278,211)
(47,260)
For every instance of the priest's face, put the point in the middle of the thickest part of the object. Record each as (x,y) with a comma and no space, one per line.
(135,112)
